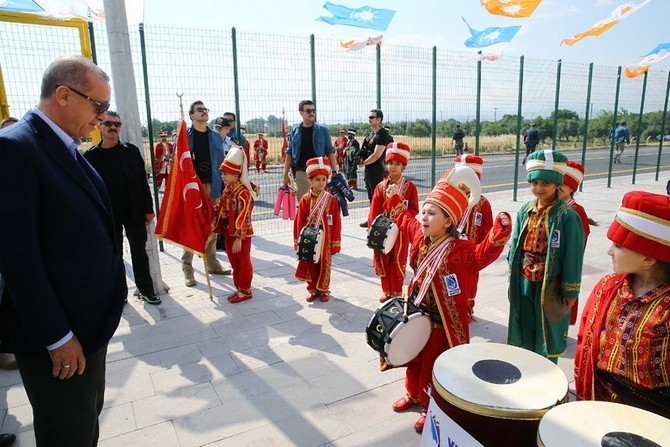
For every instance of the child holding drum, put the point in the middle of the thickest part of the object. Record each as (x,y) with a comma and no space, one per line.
(390,267)
(444,267)
(234,220)
(622,345)
(317,230)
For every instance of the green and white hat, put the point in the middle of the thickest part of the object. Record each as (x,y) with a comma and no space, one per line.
(546,165)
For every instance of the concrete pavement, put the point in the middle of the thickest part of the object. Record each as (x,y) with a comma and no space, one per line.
(277,370)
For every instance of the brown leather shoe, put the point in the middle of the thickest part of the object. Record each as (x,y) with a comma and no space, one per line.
(7,361)
(418,425)
(404,403)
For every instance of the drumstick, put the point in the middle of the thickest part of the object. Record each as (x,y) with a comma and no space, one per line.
(404,315)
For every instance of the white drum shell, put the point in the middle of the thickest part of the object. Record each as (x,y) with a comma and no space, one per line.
(584,423)
(543,384)
(408,339)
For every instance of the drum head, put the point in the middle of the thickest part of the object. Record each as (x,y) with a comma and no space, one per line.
(602,424)
(391,237)
(498,380)
(408,339)
(318,246)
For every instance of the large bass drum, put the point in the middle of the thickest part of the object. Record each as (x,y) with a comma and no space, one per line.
(396,339)
(383,234)
(496,393)
(602,424)
(309,244)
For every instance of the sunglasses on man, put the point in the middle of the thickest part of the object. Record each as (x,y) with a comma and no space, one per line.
(111,123)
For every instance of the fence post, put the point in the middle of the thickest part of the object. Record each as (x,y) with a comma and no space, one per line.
(518,130)
(478,126)
(434,117)
(558,94)
(236,82)
(587,117)
(91,38)
(639,125)
(614,117)
(665,112)
(312,57)
(150,124)
(379,76)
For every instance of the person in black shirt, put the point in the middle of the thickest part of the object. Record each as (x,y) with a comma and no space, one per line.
(373,153)
(122,169)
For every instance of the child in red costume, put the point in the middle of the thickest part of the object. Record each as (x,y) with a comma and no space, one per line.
(319,208)
(391,267)
(574,174)
(479,220)
(445,268)
(234,220)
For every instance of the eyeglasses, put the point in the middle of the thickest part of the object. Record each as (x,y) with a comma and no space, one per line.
(202,109)
(113,124)
(309,111)
(372,117)
(100,107)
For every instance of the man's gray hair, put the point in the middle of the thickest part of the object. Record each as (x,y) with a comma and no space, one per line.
(70,71)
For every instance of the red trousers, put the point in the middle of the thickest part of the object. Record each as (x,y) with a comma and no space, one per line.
(419,374)
(243,271)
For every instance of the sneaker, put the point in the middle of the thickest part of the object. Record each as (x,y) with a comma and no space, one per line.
(219,271)
(189,279)
(150,298)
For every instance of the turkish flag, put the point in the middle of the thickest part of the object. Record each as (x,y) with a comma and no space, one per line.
(186,212)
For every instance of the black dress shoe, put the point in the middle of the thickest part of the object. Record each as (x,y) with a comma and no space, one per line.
(7,439)
(150,298)
(364,224)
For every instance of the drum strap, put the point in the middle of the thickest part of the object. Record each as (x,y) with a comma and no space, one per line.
(316,214)
(430,264)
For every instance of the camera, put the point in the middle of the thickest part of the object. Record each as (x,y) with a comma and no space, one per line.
(223,122)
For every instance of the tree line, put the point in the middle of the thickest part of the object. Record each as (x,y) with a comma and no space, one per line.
(570,126)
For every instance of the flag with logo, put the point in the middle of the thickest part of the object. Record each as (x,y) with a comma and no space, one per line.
(186,211)
(490,36)
(354,45)
(653,57)
(600,27)
(363,17)
(511,8)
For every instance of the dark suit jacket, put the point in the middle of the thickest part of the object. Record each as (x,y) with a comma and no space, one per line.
(139,201)
(57,252)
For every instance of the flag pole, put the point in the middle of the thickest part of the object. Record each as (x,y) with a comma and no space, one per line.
(204,255)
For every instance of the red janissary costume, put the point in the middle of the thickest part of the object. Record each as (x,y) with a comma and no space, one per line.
(162,154)
(622,345)
(340,144)
(480,219)
(261,153)
(234,221)
(391,267)
(317,275)
(446,299)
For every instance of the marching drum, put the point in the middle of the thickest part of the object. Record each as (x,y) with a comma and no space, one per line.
(602,424)
(309,244)
(497,393)
(396,339)
(383,234)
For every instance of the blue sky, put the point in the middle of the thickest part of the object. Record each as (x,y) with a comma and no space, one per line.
(427,23)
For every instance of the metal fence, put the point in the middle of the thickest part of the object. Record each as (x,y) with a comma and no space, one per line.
(422,91)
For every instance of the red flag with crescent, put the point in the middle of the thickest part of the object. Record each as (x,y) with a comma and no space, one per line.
(186,212)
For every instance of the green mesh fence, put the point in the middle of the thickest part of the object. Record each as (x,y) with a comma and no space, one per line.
(275,73)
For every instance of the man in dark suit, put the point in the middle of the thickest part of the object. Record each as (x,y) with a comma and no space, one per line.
(122,169)
(64,279)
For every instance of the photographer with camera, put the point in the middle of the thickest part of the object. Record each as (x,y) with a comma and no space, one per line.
(372,153)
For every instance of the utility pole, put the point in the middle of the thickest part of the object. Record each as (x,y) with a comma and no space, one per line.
(495,114)
(125,96)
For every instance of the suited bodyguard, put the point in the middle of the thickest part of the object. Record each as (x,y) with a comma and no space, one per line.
(121,167)
(64,279)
